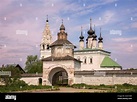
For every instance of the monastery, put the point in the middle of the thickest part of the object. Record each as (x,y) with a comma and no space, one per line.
(63,64)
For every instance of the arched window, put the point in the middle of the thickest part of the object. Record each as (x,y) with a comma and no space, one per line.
(48,47)
(43,47)
(90,60)
(84,60)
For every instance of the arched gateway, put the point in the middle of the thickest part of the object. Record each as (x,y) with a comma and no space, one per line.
(58,75)
(58,68)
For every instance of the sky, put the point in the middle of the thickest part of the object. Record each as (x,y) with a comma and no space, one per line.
(22,23)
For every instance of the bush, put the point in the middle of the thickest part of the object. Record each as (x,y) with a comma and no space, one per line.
(18,83)
(126,84)
(79,85)
(102,85)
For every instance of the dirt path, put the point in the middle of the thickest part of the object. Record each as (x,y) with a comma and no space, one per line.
(66,90)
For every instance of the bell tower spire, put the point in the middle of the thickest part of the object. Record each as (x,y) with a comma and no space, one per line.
(46,40)
(47,19)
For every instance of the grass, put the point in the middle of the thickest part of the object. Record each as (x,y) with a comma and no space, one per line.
(5,89)
(124,88)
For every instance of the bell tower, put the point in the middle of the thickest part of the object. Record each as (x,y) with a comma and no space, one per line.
(45,50)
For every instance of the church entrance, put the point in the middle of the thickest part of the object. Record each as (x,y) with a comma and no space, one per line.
(58,77)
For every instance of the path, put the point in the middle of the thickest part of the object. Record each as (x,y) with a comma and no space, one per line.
(66,90)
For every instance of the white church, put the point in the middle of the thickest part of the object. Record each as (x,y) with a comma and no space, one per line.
(62,64)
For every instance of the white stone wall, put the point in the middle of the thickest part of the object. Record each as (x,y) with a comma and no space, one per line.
(97,58)
(106,80)
(45,53)
(31,80)
(92,79)
(67,63)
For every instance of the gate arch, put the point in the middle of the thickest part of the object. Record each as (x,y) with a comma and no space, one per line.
(58,76)
(56,70)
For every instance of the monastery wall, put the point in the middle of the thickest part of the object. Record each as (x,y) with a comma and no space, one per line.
(106,80)
(31,80)
(93,79)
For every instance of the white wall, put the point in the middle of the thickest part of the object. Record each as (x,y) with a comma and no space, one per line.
(45,53)
(97,58)
(92,79)
(48,64)
(106,80)
(31,80)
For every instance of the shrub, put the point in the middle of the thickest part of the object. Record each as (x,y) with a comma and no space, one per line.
(126,84)
(79,85)
(18,83)
(102,85)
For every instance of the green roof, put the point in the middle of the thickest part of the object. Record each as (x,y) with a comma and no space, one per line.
(108,62)
(90,49)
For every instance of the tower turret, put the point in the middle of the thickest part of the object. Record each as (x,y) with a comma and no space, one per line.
(100,42)
(62,47)
(94,40)
(90,35)
(81,41)
(62,35)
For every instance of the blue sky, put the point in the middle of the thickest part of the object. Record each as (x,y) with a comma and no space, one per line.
(22,23)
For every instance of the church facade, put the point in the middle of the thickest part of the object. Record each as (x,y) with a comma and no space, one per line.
(62,64)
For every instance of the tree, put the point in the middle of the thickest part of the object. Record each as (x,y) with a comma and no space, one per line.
(33,64)
(15,74)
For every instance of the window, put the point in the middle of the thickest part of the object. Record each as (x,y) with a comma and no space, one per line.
(47,47)
(43,47)
(90,60)
(85,60)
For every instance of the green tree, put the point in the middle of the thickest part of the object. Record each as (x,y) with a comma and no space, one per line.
(9,79)
(33,64)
